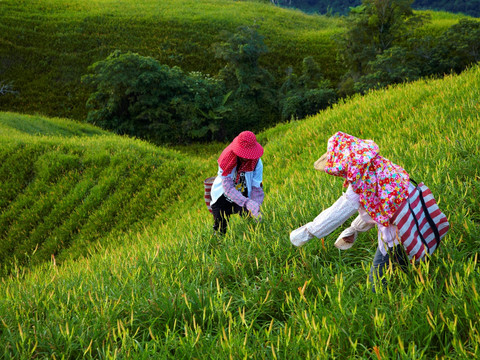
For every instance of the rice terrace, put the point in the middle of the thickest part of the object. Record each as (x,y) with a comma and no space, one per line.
(114,112)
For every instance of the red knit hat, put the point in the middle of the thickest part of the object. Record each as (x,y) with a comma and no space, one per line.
(245,145)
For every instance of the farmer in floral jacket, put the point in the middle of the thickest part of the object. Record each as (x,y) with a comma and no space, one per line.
(376,188)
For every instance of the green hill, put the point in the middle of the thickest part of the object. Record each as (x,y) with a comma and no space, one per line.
(469,7)
(169,289)
(65,185)
(46,46)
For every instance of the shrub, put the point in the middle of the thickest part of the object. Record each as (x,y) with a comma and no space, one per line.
(372,29)
(459,46)
(136,95)
(307,94)
(392,67)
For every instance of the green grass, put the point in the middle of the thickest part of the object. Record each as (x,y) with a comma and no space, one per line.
(65,185)
(172,290)
(47,45)
(440,21)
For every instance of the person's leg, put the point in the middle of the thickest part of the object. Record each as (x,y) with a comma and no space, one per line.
(376,271)
(221,210)
(220,222)
(395,256)
(401,258)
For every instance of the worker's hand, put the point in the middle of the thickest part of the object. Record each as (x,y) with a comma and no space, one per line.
(253,207)
(346,239)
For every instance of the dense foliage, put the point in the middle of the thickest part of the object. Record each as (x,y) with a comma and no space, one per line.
(459,46)
(304,95)
(170,289)
(469,7)
(203,45)
(252,88)
(373,29)
(384,45)
(138,96)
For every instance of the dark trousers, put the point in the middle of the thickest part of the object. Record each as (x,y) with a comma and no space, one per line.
(222,209)
(396,255)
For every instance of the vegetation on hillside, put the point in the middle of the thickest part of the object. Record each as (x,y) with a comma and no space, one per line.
(335,7)
(384,44)
(138,96)
(46,46)
(173,290)
(106,245)
(469,7)
(65,186)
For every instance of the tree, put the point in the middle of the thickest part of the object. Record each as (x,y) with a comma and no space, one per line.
(459,46)
(392,67)
(252,88)
(137,95)
(307,94)
(373,28)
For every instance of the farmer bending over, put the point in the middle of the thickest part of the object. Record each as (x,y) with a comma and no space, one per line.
(376,188)
(237,188)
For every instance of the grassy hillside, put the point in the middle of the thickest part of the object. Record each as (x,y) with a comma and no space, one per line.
(65,185)
(173,290)
(440,22)
(343,6)
(47,45)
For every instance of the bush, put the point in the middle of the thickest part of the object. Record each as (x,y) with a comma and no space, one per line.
(307,94)
(459,46)
(392,67)
(372,29)
(136,95)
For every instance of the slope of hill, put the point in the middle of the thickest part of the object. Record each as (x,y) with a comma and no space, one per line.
(65,185)
(46,46)
(468,7)
(173,290)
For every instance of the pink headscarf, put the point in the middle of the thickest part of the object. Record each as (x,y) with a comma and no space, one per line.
(381,184)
